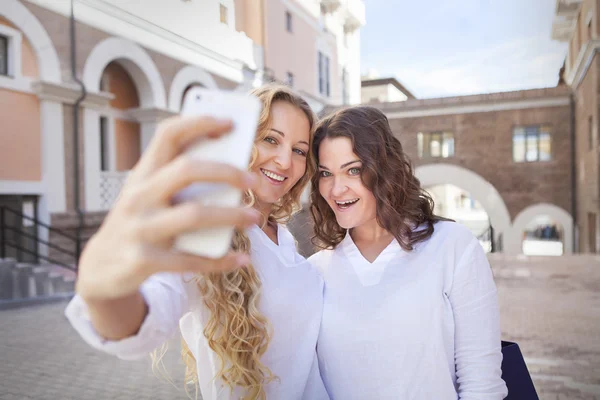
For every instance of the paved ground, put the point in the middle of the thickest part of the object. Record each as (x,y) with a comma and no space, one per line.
(43,358)
(551,307)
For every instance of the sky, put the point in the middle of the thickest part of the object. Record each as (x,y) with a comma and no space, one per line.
(439,48)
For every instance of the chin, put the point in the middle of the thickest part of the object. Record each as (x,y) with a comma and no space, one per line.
(267,197)
(345,224)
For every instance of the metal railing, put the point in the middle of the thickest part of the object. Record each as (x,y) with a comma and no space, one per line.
(16,242)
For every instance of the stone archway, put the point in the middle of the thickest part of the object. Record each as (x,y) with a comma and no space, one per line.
(514,239)
(21,17)
(478,187)
(152,98)
(135,60)
(187,76)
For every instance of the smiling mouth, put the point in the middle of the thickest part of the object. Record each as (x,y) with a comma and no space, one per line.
(346,204)
(272,176)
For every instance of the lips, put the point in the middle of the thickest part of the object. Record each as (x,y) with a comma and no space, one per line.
(273,177)
(343,205)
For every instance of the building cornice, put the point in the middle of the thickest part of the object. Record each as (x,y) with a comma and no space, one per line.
(537,98)
(582,64)
(143,115)
(68,93)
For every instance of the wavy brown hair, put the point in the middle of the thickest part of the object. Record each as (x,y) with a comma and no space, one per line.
(386,171)
(237,331)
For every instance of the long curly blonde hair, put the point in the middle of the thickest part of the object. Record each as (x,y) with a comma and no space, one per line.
(237,331)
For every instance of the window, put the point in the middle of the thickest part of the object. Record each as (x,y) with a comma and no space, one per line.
(324,85)
(327,87)
(320,69)
(223,14)
(323,67)
(531,144)
(590,133)
(104,166)
(288,21)
(3,55)
(435,144)
(290,79)
(345,91)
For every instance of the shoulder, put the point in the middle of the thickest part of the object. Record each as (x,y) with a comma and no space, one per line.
(321,260)
(452,230)
(452,234)
(451,240)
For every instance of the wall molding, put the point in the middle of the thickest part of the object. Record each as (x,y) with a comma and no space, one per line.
(477,108)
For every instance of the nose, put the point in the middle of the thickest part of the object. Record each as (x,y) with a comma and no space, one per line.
(339,187)
(283,158)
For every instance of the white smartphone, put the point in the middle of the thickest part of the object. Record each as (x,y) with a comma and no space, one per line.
(234,148)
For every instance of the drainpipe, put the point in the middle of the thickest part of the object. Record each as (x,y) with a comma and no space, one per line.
(76,106)
(573,174)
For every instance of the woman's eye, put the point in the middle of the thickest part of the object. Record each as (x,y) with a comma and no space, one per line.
(354,171)
(300,152)
(325,174)
(271,140)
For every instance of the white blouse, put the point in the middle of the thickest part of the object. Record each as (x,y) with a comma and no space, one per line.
(411,325)
(291,299)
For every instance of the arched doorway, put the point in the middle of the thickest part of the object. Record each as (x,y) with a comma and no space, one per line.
(459,205)
(542,229)
(479,189)
(186,78)
(120,141)
(142,89)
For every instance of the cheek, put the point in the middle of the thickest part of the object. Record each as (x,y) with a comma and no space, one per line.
(371,203)
(323,188)
(299,168)
(301,164)
(262,153)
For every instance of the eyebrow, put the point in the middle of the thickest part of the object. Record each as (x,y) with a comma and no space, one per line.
(343,165)
(283,135)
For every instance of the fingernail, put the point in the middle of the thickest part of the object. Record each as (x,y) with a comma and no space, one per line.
(242,260)
(224,121)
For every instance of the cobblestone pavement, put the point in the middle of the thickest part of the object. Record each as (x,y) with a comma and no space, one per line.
(550,306)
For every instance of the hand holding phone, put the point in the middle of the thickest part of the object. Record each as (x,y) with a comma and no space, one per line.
(233,149)
(136,238)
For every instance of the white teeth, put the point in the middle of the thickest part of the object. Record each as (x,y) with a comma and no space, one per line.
(273,175)
(341,203)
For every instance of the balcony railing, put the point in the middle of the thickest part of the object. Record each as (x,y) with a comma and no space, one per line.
(110,186)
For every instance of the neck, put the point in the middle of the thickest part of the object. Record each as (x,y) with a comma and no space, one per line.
(370,231)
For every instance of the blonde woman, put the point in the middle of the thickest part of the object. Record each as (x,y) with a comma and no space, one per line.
(249,323)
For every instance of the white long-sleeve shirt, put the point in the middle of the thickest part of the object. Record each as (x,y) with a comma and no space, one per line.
(291,299)
(412,325)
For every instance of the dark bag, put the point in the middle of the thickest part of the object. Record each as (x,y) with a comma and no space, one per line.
(515,374)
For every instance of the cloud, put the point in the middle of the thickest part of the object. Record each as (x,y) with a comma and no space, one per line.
(513,65)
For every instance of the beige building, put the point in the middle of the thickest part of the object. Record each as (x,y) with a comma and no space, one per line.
(133,62)
(383,90)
